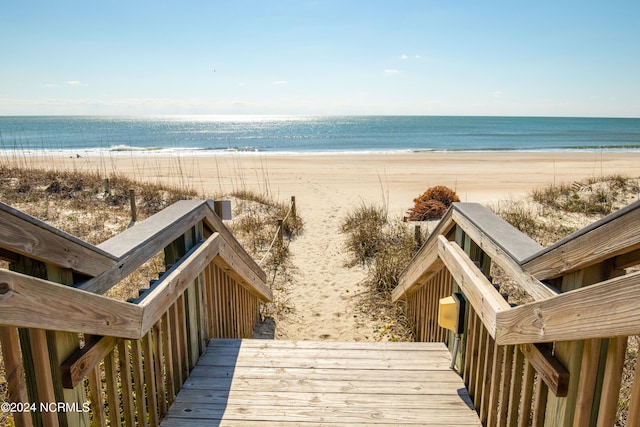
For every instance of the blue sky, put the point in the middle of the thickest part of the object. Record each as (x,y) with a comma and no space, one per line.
(543,58)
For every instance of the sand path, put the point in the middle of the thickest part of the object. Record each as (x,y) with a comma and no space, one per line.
(324,291)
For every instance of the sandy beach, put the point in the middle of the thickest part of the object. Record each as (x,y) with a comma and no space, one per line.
(324,293)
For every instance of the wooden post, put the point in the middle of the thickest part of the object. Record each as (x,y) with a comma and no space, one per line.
(105,186)
(293,207)
(132,200)
(280,236)
(417,237)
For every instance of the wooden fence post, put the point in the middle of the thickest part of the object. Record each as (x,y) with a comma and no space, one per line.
(132,200)
(280,236)
(293,207)
(417,237)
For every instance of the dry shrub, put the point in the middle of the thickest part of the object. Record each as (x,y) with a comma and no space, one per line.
(432,204)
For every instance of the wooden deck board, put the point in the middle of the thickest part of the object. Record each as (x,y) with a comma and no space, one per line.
(322,383)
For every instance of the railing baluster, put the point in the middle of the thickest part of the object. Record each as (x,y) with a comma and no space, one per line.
(168,358)
(507,379)
(611,384)
(124,361)
(16,385)
(150,380)
(527,395)
(158,365)
(111,379)
(494,391)
(95,396)
(138,378)
(540,403)
(634,403)
(516,387)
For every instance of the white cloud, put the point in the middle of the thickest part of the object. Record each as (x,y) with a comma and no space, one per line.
(404,56)
(76,83)
(497,94)
(390,72)
(280,82)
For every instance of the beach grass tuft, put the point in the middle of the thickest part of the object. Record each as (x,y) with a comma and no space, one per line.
(385,247)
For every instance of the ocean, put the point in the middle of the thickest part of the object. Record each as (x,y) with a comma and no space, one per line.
(206,135)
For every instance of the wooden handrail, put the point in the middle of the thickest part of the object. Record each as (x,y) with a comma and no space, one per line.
(25,235)
(63,308)
(614,236)
(584,313)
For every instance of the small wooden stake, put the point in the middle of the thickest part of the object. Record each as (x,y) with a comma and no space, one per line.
(417,236)
(280,236)
(132,199)
(293,207)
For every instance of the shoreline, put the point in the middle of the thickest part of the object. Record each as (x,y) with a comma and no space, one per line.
(232,152)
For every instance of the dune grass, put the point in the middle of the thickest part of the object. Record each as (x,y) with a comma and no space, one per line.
(384,247)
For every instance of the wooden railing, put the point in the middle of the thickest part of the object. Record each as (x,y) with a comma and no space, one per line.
(557,360)
(75,357)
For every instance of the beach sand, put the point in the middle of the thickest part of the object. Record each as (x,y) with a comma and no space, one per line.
(324,293)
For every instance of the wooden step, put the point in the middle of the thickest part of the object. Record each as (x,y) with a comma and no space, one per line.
(266,382)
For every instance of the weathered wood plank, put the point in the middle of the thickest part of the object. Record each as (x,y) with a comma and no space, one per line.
(486,301)
(347,416)
(74,311)
(583,313)
(614,235)
(441,375)
(328,345)
(28,236)
(82,362)
(549,369)
(308,399)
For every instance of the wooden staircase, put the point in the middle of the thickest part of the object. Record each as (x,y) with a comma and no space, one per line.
(266,382)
